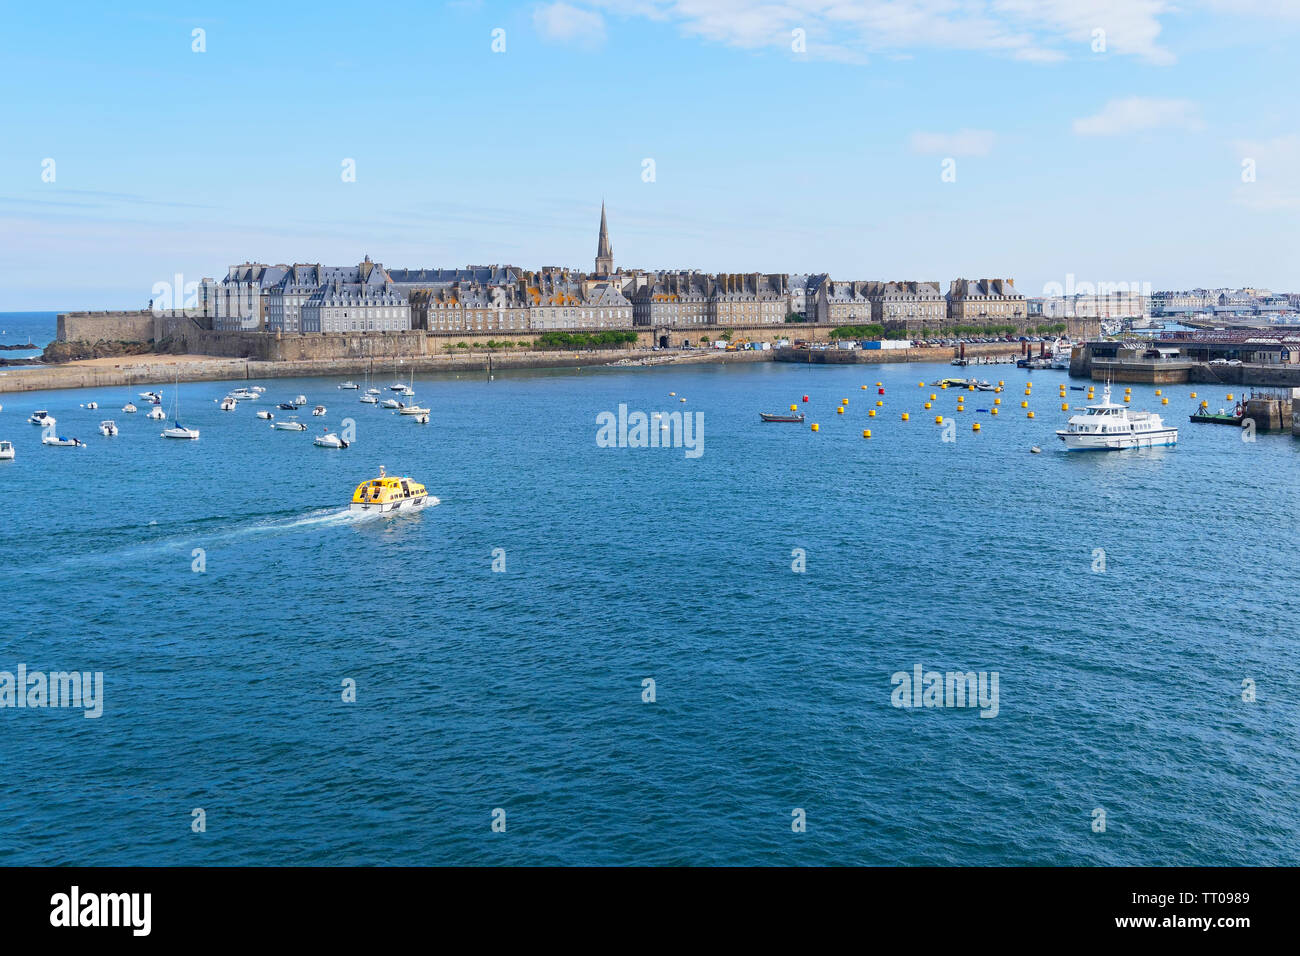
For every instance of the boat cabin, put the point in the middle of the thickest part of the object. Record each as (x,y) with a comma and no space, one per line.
(383,490)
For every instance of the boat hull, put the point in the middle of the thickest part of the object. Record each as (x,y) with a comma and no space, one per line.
(1157,438)
(387,507)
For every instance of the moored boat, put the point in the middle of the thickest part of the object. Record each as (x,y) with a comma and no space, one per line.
(6,451)
(329,440)
(318,411)
(412,410)
(1111,426)
(228,403)
(130,408)
(777,417)
(60,441)
(108,428)
(43,418)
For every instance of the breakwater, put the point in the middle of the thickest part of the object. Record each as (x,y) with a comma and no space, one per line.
(161,370)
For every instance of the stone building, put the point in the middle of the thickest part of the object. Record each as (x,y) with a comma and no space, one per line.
(357,298)
(748,299)
(841,303)
(985,302)
(239,300)
(604,251)
(915,306)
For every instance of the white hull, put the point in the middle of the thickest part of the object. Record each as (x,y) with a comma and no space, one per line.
(1152,439)
(414,410)
(406,504)
(189,433)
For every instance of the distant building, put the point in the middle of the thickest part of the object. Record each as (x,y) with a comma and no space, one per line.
(985,302)
(604,251)
(840,303)
(915,306)
(356,299)
(239,300)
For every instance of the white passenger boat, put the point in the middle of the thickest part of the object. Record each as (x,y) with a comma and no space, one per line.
(42,418)
(108,428)
(318,411)
(290,424)
(130,408)
(412,410)
(1110,426)
(6,451)
(60,441)
(386,494)
(329,440)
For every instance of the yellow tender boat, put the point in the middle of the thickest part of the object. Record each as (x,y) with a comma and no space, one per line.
(386,493)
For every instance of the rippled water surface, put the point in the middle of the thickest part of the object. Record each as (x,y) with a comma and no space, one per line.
(522,690)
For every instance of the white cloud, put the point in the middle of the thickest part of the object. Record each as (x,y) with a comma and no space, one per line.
(563,23)
(1031,30)
(1135,113)
(965,142)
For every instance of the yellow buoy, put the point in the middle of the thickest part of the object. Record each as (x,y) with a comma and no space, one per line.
(1230,396)
(1157,391)
(1000,382)
(1031,415)
(1027,391)
(933,396)
(970,388)
(1193,394)
(904,416)
(880,404)
(998,389)
(993,411)
(1164,401)
(997,401)
(1024,404)
(1065,406)
(944,385)
(878,384)
(975,427)
(927,405)
(815,426)
(871,413)
(918,385)
(938,419)
(864,388)
(794,407)
(1204,404)
(840,410)
(866,433)
(844,401)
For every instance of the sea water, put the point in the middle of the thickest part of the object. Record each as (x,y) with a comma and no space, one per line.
(624,654)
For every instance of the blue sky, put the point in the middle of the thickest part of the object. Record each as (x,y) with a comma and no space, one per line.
(1122,164)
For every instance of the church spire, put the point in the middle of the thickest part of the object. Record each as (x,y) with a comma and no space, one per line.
(604,252)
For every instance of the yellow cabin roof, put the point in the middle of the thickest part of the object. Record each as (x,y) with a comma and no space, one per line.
(385,489)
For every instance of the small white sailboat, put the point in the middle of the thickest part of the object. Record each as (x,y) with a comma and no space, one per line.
(329,440)
(412,410)
(318,411)
(177,430)
(350,385)
(42,418)
(6,451)
(108,428)
(368,399)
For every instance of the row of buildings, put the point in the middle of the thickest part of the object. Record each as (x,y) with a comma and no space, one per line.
(367,297)
(1247,301)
